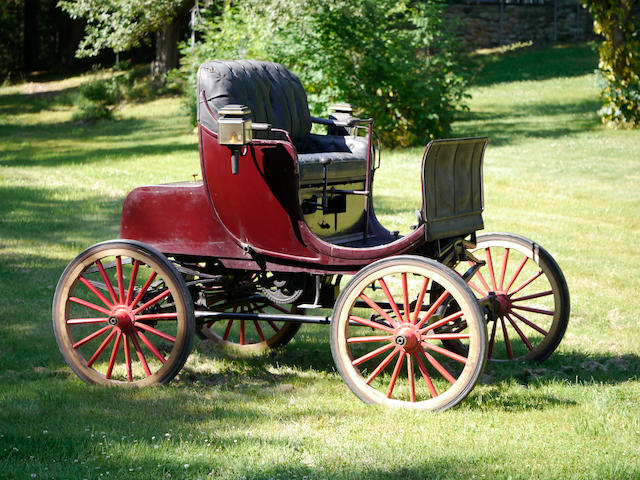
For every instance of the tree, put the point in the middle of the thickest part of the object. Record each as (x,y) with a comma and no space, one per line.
(618,22)
(392,59)
(123,24)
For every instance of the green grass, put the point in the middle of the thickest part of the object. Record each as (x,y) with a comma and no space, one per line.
(552,172)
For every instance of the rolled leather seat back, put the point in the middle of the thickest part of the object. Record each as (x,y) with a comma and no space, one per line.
(273,93)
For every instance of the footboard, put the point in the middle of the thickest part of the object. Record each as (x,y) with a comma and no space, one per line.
(452,193)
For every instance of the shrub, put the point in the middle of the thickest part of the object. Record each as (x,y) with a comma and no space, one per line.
(619,67)
(389,58)
(96,100)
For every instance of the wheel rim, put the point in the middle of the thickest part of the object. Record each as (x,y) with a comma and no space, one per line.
(391,355)
(526,298)
(121,318)
(251,336)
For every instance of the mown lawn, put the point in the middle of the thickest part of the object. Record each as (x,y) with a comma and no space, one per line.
(552,172)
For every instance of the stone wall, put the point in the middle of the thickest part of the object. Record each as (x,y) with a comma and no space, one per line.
(479,24)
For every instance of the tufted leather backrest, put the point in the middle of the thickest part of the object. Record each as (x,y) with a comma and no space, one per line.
(274,94)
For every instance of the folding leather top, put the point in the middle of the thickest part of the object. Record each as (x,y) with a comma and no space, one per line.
(274,94)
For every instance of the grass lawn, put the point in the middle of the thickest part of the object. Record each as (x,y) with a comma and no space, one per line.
(552,173)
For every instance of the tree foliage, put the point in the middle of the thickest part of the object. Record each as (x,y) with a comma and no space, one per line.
(391,59)
(118,24)
(618,22)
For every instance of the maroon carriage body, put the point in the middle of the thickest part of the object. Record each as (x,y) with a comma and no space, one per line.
(255,220)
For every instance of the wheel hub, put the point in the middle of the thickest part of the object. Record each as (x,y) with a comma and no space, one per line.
(407,337)
(503,303)
(122,318)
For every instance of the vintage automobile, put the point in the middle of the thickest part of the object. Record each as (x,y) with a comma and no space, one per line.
(281,218)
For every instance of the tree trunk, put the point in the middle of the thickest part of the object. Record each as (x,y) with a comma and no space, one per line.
(167,40)
(31,39)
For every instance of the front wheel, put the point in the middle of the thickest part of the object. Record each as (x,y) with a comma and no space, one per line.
(122,315)
(385,336)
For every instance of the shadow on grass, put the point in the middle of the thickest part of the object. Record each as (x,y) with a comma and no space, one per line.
(536,63)
(42,216)
(530,121)
(27,145)
(310,353)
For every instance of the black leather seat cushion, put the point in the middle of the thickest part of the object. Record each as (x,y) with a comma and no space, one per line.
(348,159)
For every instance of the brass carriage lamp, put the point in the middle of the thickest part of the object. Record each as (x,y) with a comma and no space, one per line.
(234,131)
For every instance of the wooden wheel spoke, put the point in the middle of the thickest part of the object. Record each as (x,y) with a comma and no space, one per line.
(516,273)
(527,282)
(143,361)
(378,309)
(114,355)
(492,339)
(132,282)
(95,334)
(483,281)
(405,298)
(101,348)
(95,291)
(425,375)
(151,347)
(371,338)
(504,267)
(227,330)
(369,323)
(520,333)
(423,291)
(154,300)
(156,332)
(507,342)
(80,321)
(529,322)
(443,321)
(477,289)
(411,379)
(394,375)
(144,289)
(445,352)
(532,296)
(492,275)
(127,358)
(120,279)
(273,326)
(90,305)
(391,301)
(382,366)
(106,280)
(256,324)
(433,308)
(373,353)
(533,310)
(438,366)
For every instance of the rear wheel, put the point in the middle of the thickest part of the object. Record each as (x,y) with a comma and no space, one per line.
(385,340)
(122,315)
(251,337)
(531,295)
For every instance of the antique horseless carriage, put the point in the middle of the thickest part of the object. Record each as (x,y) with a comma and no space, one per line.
(261,244)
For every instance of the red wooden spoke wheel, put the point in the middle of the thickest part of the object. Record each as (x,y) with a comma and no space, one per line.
(251,337)
(123,315)
(531,295)
(384,336)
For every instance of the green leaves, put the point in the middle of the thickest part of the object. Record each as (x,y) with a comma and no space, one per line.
(619,67)
(118,24)
(389,58)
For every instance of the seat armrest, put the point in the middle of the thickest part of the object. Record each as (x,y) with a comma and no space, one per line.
(261,126)
(352,122)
